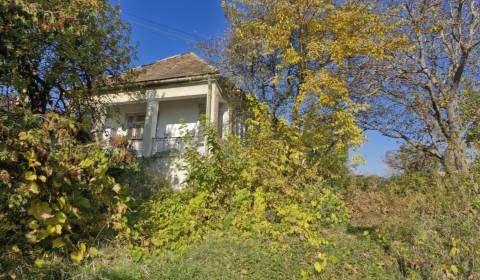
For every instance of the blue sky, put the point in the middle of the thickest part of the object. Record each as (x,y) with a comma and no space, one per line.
(165,28)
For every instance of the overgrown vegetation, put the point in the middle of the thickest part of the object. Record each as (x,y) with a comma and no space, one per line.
(279,202)
(57,196)
(424,223)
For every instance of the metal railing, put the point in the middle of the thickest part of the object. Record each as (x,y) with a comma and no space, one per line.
(167,145)
(162,145)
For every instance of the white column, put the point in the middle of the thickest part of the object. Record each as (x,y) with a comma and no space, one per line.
(208,109)
(215,100)
(150,128)
(226,126)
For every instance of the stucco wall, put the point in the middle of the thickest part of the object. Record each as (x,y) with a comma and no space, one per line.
(172,113)
(117,120)
(179,105)
(164,92)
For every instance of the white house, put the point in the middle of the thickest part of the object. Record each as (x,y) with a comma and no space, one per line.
(166,96)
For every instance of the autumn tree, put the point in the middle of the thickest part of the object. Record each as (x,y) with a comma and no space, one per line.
(407,159)
(290,55)
(425,95)
(55,55)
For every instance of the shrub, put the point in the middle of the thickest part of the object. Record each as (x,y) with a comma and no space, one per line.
(56,192)
(425,224)
(258,186)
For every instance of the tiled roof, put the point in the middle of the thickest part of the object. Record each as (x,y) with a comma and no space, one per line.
(178,66)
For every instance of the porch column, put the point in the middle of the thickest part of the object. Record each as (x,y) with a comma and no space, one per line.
(150,128)
(214,104)
(226,126)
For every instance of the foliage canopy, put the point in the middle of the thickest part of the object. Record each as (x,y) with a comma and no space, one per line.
(55,55)
(57,194)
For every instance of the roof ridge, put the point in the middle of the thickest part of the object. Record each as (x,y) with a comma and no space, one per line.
(171,57)
(180,65)
(204,60)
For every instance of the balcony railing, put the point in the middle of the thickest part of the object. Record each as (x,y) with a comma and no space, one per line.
(163,145)
(167,145)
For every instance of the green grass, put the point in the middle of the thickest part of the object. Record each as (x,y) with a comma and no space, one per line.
(214,258)
(230,257)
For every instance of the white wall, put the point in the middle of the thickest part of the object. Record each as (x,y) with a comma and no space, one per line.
(116,122)
(171,114)
(178,105)
(166,92)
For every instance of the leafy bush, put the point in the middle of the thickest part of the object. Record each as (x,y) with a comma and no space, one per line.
(259,185)
(57,194)
(350,256)
(425,224)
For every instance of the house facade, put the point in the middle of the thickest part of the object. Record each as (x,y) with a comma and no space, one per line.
(167,99)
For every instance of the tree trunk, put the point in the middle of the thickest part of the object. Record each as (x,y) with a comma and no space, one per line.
(455,159)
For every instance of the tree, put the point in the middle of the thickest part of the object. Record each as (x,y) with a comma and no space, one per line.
(425,95)
(408,160)
(55,55)
(290,55)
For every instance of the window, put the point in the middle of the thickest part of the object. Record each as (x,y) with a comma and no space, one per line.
(135,124)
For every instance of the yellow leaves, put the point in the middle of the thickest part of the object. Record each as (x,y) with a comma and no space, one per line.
(92,251)
(39,262)
(86,163)
(32,159)
(58,243)
(116,188)
(30,176)
(40,210)
(33,224)
(357,159)
(12,274)
(321,264)
(454,269)
(81,253)
(15,249)
(54,229)
(60,217)
(22,136)
(78,256)
(319,267)
(121,207)
(31,237)
(82,247)
(291,56)
(454,250)
(33,188)
(32,185)
(42,178)
(61,202)
(315,40)
(58,202)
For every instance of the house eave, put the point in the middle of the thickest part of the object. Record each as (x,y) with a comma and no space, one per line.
(163,82)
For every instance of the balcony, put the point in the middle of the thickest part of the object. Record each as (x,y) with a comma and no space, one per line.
(167,145)
(163,145)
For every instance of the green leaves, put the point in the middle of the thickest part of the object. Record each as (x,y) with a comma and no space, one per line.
(55,193)
(73,40)
(249,186)
(40,210)
(86,163)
